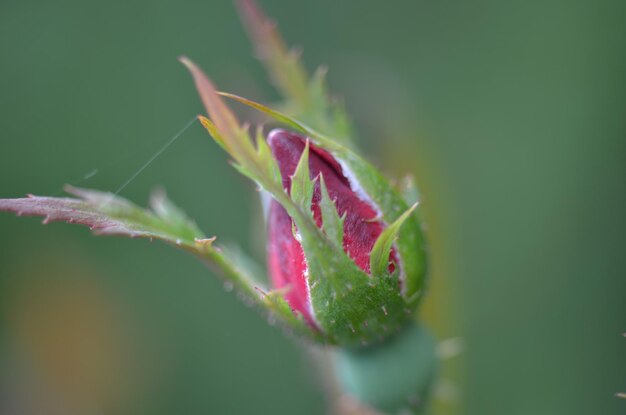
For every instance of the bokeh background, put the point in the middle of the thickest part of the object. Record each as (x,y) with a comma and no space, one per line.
(511,114)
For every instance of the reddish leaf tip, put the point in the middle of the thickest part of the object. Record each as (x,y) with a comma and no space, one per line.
(224,119)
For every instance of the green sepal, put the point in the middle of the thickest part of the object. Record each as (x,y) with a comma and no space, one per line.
(379,257)
(302,186)
(332,222)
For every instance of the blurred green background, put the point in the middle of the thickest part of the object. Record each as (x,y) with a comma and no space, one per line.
(510,113)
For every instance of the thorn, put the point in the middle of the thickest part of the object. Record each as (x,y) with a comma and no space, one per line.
(352,328)
(621,395)
(384,310)
(46,220)
(179,242)
(203,242)
(30,196)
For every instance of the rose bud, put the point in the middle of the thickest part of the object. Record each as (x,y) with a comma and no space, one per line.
(341,209)
(346,254)
(361,228)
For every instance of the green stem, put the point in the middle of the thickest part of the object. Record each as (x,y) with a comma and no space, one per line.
(394,376)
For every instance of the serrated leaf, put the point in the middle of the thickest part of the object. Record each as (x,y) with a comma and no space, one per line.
(283,65)
(109,214)
(301,184)
(332,222)
(255,163)
(249,161)
(379,257)
(305,97)
(222,118)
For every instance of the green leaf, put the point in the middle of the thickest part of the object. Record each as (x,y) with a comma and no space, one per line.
(379,257)
(305,97)
(332,223)
(301,184)
(254,163)
(109,214)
